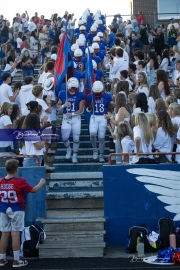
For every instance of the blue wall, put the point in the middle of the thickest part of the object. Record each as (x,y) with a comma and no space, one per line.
(35,202)
(130,202)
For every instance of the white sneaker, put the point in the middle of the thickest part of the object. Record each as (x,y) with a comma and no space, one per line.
(95,154)
(68,153)
(74,159)
(48,168)
(101,158)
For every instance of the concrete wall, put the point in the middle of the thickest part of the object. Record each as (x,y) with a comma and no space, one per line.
(35,203)
(139,194)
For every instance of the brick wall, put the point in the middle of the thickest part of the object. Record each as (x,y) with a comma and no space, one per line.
(148,7)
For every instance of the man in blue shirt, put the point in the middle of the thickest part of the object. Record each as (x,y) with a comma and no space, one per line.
(45,51)
(112,37)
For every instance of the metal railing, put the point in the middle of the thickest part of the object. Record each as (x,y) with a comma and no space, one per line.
(22,156)
(140,154)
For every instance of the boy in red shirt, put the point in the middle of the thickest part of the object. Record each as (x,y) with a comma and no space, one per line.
(12,205)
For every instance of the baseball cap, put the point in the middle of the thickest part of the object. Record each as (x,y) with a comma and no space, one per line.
(172,19)
(144,24)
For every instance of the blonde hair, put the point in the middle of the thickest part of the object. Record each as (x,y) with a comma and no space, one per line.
(4,108)
(160,105)
(142,122)
(176,108)
(170,100)
(124,129)
(151,120)
(144,79)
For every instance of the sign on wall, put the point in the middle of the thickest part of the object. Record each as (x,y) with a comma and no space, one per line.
(135,195)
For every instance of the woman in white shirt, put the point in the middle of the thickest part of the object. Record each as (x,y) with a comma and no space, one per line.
(142,84)
(125,137)
(71,24)
(5,123)
(153,95)
(143,139)
(33,145)
(162,82)
(165,62)
(19,41)
(141,106)
(122,114)
(45,102)
(34,41)
(152,65)
(163,136)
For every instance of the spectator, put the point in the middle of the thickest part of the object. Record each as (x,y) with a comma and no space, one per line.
(152,66)
(15,217)
(140,18)
(122,27)
(5,123)
(159,41)
(134,23)
(45,52)
(172,36)
(19,41)
(165,62)
(154,94)
(25,94)
(160,105)
(37,19)
(162,82)
(27,65)
(32,26)
(129,29)
(43,38)
(6,94)
(143,139)
(34,43)
(142,86)
(4,32)
(119,64)
(71,24)
(22,43)
(172,22)
(25,20)
(42,21)
(162,136)
(134,43)
(112,37)
(143,36)
(34,146)
(26,48)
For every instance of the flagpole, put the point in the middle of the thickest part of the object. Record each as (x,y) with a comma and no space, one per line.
(66,92)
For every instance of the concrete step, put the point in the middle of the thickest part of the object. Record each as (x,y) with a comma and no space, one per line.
(82,151)
(51,251)
(78,175)
(78,224)
(70,238)
(75,194)
(81,158)
(84,143)
(80,167)
(75,204)
(75,185)
(75,213)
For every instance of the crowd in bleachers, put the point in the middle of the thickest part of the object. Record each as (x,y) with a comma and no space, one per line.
(139,102)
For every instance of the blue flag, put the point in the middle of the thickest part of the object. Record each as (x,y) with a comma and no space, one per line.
(63,65)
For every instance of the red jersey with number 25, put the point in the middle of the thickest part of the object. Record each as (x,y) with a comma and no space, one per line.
(12,192)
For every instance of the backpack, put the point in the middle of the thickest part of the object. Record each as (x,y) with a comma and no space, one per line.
(30,238)
(132,241)
(166,227)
